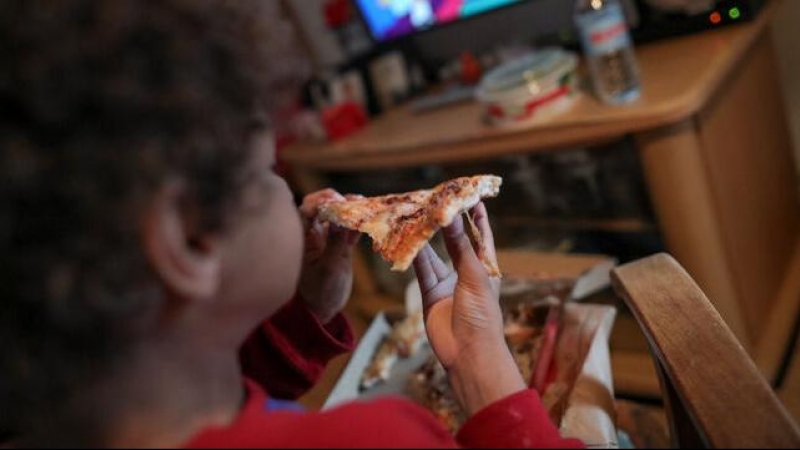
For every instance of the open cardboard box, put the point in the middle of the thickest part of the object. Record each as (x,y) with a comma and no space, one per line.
(582,363)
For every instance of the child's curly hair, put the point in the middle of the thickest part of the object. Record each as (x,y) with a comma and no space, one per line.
(100,102)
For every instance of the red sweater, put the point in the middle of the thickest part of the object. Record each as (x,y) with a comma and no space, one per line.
(286,356)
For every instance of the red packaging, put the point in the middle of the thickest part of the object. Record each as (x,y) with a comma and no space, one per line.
(343,119)
(337,13)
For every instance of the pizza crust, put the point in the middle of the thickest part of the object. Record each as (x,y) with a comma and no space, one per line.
(401,224)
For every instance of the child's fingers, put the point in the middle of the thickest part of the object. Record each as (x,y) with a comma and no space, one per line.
(459,246)
(311,202)
(340,243)
(352,237)
(439,267)
(315,239)
(481,218)
(426,275)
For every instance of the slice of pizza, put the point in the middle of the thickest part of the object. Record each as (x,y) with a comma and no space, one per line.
(401,224)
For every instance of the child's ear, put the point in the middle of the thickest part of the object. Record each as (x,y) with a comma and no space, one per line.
(188,263)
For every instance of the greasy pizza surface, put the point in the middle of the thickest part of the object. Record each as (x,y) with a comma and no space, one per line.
(401,224)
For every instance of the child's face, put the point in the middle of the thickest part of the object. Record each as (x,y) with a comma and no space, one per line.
(262,256)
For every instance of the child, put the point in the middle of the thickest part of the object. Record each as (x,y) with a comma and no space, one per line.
(148,251)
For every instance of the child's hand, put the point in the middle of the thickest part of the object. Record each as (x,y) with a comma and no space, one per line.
(327,277)
(463,318)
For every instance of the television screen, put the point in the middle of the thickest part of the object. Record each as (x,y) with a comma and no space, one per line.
(389,19)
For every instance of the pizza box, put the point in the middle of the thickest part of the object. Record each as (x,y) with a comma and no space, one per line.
(591,273)
(581,353)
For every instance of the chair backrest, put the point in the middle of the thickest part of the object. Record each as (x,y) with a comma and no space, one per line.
(714,394)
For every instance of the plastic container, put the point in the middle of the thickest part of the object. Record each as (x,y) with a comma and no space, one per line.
(608,48)
(537,85)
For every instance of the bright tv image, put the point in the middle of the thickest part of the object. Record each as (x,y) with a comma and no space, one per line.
(388,19)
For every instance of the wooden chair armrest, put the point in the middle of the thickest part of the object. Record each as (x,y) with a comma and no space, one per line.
(714,394)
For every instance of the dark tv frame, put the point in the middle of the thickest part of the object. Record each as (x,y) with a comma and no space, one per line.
(436,27)
(646,32)
(649,31)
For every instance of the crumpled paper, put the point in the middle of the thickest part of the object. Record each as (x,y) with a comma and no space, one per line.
(584,382)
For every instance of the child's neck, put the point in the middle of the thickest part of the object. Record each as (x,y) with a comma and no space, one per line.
(163,395)
(173,394)
(180,381)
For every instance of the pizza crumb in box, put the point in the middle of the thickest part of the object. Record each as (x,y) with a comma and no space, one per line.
(404,340)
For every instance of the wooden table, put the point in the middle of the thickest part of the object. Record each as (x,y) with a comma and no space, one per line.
(716,154)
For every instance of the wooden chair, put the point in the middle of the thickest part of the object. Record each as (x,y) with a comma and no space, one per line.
(714,394)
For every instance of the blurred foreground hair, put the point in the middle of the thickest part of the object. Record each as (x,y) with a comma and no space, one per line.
(100,102)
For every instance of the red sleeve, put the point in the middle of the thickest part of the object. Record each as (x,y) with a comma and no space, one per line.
(287,354)
(390,422)
(517,421)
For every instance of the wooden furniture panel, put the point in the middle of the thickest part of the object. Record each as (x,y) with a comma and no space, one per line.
(634,373)
(678,182)
(774,344)
(748,157)
(715,395)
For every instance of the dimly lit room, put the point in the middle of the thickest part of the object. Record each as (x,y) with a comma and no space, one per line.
(400,223)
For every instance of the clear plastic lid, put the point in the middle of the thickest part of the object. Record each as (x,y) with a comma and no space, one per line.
(542,68)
